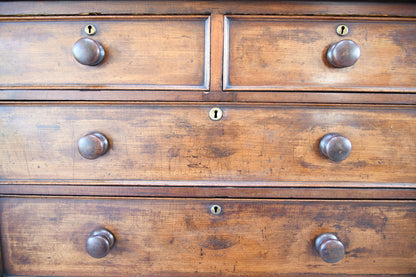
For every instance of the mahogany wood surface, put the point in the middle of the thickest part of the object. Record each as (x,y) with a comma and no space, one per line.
(181,142)
(327,190)
(289,53)
(363,8)
(153,185)
(150,91)
(211,96)
(156,237)
(159,52)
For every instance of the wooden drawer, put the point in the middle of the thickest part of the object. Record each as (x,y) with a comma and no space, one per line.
(289,53)
(180,142)
(181,237)
(141,52)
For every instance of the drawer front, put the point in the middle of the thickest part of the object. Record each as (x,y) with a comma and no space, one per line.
(283,53)
(182,237)
(158,52)
(276,143)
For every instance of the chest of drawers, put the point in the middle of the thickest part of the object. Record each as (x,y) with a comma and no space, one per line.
(207,138)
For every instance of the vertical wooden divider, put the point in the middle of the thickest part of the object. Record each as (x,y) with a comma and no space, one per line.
(217,50)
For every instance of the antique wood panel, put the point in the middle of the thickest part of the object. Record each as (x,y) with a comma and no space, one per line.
(157,237)
(214,95)
(236,190)
(264,143)
(381,8)
(141,52)
(289,53)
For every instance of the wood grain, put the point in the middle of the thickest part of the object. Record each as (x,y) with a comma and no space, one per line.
(289,53)
(203,96)
(149,142)
(168,163)
(373,8)
(217,44)
(180,142)
(327,190)
(154,237)
(159,52)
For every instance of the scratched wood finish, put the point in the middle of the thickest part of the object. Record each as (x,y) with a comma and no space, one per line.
(180,142)
(289,53)
(157,237)
(199,191)
(379,8)
(159,52)
(185,51)
(212,96)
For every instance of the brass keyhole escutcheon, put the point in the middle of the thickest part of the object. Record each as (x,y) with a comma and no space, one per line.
(215,114)
(216,209)
(90,30)
(342,30)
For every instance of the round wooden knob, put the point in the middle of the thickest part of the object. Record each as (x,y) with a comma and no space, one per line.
(100,243)
(88,51)
(335,147)
(93,145)
(344,53)
(329,248)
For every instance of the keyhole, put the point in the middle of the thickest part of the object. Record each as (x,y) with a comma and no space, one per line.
(90,30)
(216,209)
(215,113)
(342,30)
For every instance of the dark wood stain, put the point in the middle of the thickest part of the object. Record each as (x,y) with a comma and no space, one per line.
(215,242)
(167,64)
(186,233)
